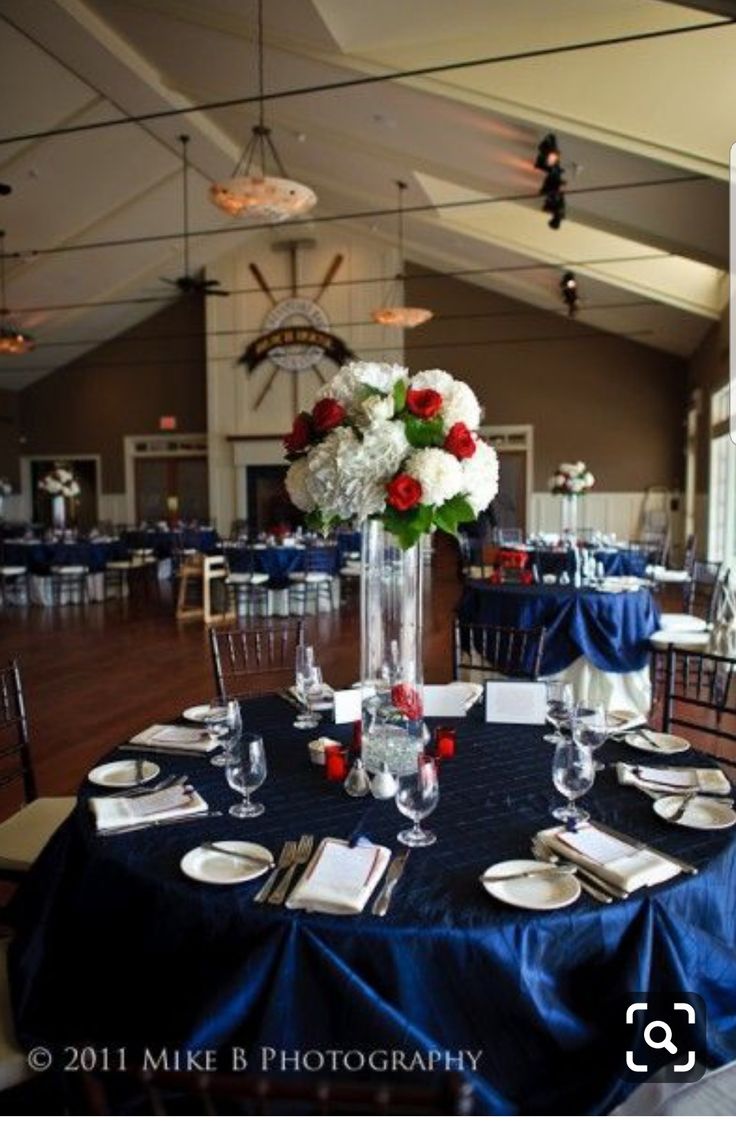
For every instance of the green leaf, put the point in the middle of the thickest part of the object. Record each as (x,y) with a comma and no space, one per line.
(408,526)
(317,521)
(399,396)
(453,512)
(421,433)
(365,391)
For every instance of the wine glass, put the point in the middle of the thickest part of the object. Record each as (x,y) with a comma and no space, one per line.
(416,797)
(559,707)
(303,678)
(245,771)
(590,727)
(573,774)
(224,724)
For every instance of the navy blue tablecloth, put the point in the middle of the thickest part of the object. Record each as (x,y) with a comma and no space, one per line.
(38,558)
(610,630)
(280,561)
(629,563)
(163,543)
(115,947)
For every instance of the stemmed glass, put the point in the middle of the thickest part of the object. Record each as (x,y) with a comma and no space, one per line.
(559,707)
(590,727)
(245,771)
(416,797)
(573,774)
(224,723)
(308,679)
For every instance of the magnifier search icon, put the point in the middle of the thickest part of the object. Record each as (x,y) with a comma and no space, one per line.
(666,1042)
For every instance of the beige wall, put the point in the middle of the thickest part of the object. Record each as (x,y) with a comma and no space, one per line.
(122,388)
(609,401)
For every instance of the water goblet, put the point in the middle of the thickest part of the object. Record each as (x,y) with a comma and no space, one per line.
(590,727)
(573,775)
(224,724)
(303,675)
(245,771)
(559,707)
(416,797)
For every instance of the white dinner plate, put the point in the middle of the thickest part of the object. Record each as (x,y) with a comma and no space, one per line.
(196,714)
(549,888)
(620,719)
(211,867)
(665,744)
(700,813)
(123,773)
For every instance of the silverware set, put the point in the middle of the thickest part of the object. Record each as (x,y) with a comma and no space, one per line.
(599,889)
(301,856)
(382,902)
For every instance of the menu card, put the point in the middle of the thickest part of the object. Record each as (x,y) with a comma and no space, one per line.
(117,813)
(185,739)
(615,860)
(341,878)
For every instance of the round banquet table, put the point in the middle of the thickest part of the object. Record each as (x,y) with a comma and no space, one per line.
(115,947)
(39,558)
(596,641)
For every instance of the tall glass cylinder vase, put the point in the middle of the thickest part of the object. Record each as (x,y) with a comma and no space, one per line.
(390,650)
(58,511)
(570,517)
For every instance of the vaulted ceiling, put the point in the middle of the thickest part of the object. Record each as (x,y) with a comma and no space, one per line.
(640,98)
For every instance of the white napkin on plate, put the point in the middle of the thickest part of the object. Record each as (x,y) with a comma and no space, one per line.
(178,738)
(673,779)
(340,878)
(117,813)
(616,861)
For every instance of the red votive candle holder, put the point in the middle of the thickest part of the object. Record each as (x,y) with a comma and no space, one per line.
(336,763)
(445,743)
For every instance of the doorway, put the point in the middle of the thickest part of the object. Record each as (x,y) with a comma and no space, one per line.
(514,445)
(171,486)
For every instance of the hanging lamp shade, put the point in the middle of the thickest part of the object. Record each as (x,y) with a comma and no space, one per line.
(395,314)
(252,191)
(13,340)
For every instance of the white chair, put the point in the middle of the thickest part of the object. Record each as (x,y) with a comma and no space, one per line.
(14,585)
(247,589)
(69,584)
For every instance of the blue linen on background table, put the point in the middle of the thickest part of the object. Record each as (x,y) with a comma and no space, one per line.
(609,630)
(616,563)
(115,947)
(38,558)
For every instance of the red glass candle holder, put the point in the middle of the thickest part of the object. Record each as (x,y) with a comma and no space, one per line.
(445,742)
(336,763)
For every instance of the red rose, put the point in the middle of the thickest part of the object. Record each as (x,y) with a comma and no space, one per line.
(460,441)
(406,699)
(300,435)
(423,403)
(404,492)
(328,414)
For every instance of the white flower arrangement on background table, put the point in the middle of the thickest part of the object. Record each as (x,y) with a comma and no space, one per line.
(381,444)
(571,479)
(60,481)
(6,487)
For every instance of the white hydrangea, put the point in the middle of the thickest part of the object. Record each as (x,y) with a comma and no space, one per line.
(459,403)
(346,383)
(296,485)
(480,476)
(347,475)
(374,410)
(439,473)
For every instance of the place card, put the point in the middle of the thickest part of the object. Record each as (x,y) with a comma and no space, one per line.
(348,705)
(450,700)
(516,701)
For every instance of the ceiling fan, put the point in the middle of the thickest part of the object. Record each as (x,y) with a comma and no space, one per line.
(187,283)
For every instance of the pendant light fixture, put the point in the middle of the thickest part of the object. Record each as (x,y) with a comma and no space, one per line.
(12,339)
(392,314)
(251,191)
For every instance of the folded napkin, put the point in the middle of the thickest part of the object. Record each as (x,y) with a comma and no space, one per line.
(117,813)
(473,691)
(178,738)
(340,879)
(673,779)
(323,702)
(616,861)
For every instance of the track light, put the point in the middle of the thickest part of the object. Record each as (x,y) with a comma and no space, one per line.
(569,292)
(549,162)
(548,154)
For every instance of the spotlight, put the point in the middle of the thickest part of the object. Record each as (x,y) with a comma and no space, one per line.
(569,292)
(4,189)
(548,154)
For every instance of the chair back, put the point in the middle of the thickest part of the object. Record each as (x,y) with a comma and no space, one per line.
(15,751)
(702,591)
(500,650)
(253,660)
(700,693)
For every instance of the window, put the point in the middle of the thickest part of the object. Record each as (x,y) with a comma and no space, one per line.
(722,512)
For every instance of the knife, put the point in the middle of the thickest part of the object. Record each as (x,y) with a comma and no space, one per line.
(395,869)
(683,865)
(133,749)
(159,822)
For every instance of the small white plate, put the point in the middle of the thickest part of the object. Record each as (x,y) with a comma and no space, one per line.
(700,812)
(665,744)
(218,868)
(550,889)
(123,773)
(620,719)
(196,714)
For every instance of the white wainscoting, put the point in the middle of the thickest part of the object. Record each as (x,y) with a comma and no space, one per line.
(112,508)
(618,512)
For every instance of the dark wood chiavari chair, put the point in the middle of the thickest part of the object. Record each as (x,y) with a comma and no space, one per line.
(700,695)
(251,660)
(496,650)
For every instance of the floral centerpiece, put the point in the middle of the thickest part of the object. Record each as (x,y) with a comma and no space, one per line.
(400,455)
(404,450)
(571,479)
(62,485)
(6,488)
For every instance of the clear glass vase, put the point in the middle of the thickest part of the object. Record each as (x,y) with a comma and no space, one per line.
(390,650)
(570,517)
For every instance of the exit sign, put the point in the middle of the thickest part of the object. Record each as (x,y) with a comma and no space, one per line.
(167,424)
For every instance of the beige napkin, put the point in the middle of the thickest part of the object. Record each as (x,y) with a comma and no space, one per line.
(340,879)
(117,813)
(673,779)
(178,738)
(616,861)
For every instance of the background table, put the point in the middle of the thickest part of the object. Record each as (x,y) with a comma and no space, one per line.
(39,558)
(597,641)
(115,946)
(615,562)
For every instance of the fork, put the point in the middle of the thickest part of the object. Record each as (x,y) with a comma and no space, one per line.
(286,858)
(303,853)
(164,784)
